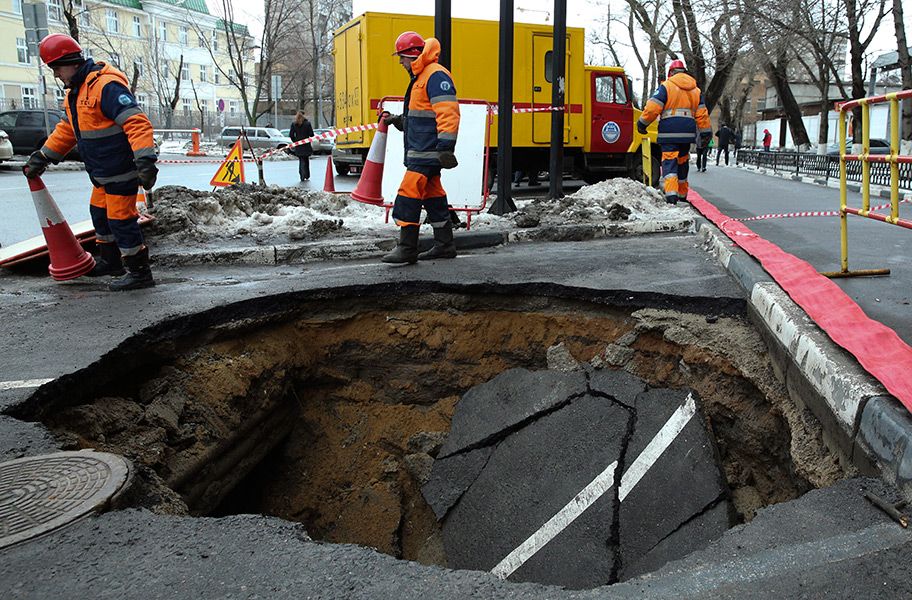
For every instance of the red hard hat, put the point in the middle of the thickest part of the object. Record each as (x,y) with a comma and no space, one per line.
(676,64)
(409,44)
(59,48)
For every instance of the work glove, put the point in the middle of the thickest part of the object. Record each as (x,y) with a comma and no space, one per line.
(448,159)
(642,127)
(36,165)
(146,171)
(394,120)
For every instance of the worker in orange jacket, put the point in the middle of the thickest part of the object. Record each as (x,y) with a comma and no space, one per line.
(115,141)
(429,125)
(679,103)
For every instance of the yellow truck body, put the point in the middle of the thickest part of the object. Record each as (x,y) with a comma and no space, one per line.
(600,137)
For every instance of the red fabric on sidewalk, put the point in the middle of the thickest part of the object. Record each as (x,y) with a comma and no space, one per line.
(877,347)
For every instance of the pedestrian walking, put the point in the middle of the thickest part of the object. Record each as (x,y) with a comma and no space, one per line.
(737,142)
(703,148)
(115,141)
(430,124)
(767,140)
(725,135)
(678,104)
(301,129)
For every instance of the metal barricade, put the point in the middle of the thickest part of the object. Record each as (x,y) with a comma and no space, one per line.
(894,160)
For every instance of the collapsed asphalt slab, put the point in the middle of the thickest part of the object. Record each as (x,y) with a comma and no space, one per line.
(548,477)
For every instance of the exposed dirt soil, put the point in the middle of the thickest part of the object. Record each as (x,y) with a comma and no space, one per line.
(334,420)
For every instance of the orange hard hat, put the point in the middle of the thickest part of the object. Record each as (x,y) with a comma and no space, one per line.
(409,44)
(676,65)
(61,49)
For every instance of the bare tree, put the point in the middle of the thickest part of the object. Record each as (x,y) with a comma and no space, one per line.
(250,77)
(905,66)
(857,12)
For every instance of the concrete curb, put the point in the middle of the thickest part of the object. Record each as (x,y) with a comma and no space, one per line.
(862,423)
(371,247)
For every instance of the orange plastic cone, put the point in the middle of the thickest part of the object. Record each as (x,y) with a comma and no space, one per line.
(68,259)
(328,184)
(369,185)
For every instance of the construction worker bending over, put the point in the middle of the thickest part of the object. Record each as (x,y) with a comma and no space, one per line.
(683,116)
(114,138)
(429,125)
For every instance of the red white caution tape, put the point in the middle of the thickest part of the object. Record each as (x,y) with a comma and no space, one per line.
(814,213)
(494,109)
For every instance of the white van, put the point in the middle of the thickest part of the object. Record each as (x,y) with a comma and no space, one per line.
(259,137)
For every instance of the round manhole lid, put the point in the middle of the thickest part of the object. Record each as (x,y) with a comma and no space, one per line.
(41,493)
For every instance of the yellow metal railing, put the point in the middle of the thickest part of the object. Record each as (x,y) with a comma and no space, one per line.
(894,159)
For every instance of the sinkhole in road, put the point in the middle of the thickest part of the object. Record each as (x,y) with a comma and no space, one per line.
(332,415)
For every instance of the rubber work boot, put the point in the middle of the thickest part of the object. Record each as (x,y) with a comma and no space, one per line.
(108,263)
(406,251)
(139,274)
(443,244)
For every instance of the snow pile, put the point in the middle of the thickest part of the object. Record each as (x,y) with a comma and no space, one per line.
(266,213)
(618,199)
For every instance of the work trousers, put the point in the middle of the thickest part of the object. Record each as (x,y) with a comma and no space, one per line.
(421,188)
(675,166)
(114,216)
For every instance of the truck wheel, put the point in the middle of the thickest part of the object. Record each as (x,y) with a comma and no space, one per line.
(341,169)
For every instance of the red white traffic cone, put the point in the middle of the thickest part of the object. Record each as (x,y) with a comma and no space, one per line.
(328,184)
(68,259)
(369,185)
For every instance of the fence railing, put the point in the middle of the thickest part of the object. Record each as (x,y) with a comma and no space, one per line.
(825,166)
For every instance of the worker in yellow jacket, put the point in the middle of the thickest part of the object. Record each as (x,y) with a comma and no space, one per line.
(429,125)
(678,104)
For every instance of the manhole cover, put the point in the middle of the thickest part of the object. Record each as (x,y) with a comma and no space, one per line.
(41,493)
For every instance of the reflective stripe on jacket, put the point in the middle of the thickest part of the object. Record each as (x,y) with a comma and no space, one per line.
(432,110)
(105,123)
(680,104)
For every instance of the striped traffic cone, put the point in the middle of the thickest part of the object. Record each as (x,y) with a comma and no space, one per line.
(329,185)
(369,188)
(68,259)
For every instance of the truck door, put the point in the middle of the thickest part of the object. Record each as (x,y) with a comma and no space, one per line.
(347,48)
(542,69)
(612,113)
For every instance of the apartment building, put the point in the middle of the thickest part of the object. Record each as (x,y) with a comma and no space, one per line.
(147,40)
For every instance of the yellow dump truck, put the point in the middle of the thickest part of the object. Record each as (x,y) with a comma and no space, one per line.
(600,137)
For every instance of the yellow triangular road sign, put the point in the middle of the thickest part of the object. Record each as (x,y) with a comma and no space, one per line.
(232,169)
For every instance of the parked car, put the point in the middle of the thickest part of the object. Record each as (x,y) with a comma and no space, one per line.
(878,146)
(323,146)
(26,128)
(259,137)
(319,146)
(6,148)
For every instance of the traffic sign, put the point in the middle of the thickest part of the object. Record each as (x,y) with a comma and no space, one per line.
(232,169)
(221,105)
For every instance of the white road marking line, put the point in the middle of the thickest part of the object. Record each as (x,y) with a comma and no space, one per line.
(601,484)
(22,383)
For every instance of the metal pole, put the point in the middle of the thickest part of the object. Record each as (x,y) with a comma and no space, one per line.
(558,64)
(504,203)
(443,31)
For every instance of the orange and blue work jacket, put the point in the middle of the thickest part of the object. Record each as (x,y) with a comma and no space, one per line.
(432,111)
(679,102)
(105,123)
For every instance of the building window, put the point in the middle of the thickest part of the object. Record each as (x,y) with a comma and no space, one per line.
(217,77)
(137,26)
(232,107)
(204,105)
(141,101)
(204,74)
(115,59)
(163,31)
(185,73)
(29,98)
(201,40)
(87,52)
(22,51)
(166,70)
(140,67)
(17,7)
(215,41)
(184,36)
(185,104)
(84,17)
(113,20)
(60,96)
(54,11)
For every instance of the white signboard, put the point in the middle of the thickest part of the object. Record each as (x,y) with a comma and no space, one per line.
(463,184)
